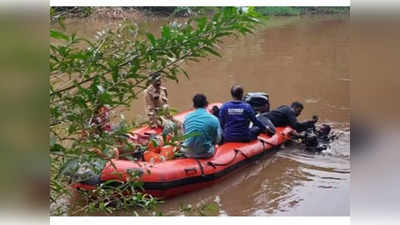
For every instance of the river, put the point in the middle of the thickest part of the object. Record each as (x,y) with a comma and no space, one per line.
(293,58)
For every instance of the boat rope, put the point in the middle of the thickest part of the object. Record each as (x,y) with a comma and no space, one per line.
(242,153)
(213,164)
(266,142)
(201,167)
(262,142)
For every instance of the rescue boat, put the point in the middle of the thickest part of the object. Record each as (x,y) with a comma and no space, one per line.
(177,176)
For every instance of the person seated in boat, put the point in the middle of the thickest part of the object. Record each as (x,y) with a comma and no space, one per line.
(99,123)
(235,117)
(102,119)
(156,99)
(287,116)
(205,128)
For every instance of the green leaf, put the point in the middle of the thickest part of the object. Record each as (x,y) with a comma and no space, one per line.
(222,34)
(72,129)
(105,98)
(115,73)
(185,73)
(154,143)
(87,41)
(244,30)
(166,32)
(111,183)
(52,57)
(57,148)
(201,22)
(212,51)
(79,55)
(192,134)
(151,38)
(60,21)
(186,136)
(58,35)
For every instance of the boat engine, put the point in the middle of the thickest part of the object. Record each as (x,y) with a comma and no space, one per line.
(259,101)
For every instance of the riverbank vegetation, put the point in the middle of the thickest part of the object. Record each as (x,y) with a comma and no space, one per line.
(297,11)
(112,69)
(121,12)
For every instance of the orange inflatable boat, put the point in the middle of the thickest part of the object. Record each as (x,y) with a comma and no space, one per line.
(177,176)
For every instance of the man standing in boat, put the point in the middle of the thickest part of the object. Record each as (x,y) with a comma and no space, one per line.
(205,128)
(156,99)
(235,117)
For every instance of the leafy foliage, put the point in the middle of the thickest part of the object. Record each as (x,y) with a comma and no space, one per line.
(114,196)
(112,70)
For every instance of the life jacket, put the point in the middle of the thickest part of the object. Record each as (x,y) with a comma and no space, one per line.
(159,154)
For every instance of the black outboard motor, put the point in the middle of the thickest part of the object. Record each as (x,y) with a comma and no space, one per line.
(215,111)
(259,101)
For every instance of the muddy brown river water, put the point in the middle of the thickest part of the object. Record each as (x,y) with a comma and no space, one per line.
(293,58)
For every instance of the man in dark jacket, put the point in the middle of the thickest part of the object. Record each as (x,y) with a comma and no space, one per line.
(287,116)
(235,117)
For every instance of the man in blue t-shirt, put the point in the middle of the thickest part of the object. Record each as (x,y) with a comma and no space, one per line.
(235,117)
(207,127)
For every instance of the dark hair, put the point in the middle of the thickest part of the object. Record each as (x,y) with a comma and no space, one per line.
(297,105)
(155,76)
(200,101)
(237,91)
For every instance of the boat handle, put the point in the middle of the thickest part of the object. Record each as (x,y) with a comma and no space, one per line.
(213,164)
(188,171)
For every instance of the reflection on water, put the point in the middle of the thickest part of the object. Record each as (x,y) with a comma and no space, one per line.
(304,59)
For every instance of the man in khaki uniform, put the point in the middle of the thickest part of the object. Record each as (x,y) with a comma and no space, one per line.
(156,98)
